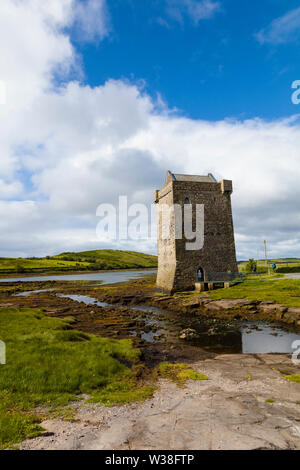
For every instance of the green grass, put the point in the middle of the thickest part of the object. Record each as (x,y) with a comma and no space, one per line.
(86,260)
(179,373)
(282,291)
(293,378)
(50,365)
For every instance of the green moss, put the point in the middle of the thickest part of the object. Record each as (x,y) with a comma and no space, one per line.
(65,413)
(293,378)
(270,400)
(50,366)
(122,392)
(70,320)
(179,373)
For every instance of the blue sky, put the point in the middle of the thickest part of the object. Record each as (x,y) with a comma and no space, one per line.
(211,69)
(102,97)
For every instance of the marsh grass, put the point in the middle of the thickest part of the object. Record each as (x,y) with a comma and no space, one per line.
(179,373)
(293,378)
(51,365)
(282,291)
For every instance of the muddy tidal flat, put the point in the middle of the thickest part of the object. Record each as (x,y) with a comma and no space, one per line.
(246,403)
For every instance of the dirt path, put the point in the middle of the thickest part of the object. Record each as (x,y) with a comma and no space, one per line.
(292,276)
(229,411)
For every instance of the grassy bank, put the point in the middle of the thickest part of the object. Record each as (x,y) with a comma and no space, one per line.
(85,261)
(51,365)
(282,291)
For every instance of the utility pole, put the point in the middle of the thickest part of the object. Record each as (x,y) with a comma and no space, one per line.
(266,257)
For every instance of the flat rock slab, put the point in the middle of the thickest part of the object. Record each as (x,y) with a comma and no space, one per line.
(272,307)
(228,411)
(227,304)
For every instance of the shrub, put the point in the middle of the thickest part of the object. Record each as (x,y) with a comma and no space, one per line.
(251,266)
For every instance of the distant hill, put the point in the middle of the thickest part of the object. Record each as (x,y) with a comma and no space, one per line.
(84,261)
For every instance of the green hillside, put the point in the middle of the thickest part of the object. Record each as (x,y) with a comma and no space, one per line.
(84,261)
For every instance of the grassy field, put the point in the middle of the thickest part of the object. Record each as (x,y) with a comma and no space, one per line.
(85,261)
(291,264)
(282,291)
(51,365)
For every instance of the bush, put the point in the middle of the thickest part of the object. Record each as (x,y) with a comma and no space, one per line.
(251,266)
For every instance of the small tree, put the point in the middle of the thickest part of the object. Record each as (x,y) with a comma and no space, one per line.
(20,269)
(251,266)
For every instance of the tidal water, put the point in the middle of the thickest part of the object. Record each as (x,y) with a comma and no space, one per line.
(108,277)
(247,337)
(250,337)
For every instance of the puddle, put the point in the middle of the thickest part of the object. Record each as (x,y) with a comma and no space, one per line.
(267,339)
(29,292)
(84,299)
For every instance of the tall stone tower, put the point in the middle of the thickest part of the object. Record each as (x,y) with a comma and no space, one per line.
(179,268)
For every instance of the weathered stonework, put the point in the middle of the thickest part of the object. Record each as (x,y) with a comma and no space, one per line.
(177,266)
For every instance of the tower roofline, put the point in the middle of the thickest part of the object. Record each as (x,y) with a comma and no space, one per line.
(192,178)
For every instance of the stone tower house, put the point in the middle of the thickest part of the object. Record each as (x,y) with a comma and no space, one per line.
(178,268)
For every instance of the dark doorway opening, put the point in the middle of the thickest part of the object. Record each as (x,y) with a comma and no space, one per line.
(200,275)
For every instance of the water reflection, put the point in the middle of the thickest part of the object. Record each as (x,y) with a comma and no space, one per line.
(268,340)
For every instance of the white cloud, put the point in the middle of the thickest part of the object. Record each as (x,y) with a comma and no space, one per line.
(283,29)
(10,190)
(91,19)
(75,146)
(195,9)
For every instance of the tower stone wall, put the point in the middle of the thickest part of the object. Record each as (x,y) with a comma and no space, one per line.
(177,266)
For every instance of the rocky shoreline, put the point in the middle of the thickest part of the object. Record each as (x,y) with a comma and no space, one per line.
(290,315)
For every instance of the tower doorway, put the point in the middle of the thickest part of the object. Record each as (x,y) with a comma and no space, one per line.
(200,275)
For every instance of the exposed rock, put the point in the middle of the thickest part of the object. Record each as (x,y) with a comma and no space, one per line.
(226,304)
(292,315)
(204,300)
(268,307)
(188,333)
(157,337)
(163,298)
(192,305)
(294,310)
(232,401)
(211,331)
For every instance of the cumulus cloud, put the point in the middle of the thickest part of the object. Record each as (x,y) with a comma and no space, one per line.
(67,148)
(283,29)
